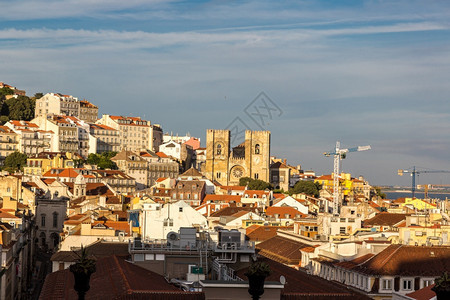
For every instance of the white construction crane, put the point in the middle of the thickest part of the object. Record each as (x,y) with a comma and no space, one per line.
(339,154)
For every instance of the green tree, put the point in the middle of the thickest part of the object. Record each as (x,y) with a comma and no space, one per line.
(15,161)
(5,91)
(308,187)
(102,161)
(38,95)
(255,184)
(379,193)
(20,108)
(93,159)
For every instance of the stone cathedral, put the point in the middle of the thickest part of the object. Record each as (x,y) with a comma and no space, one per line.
(249,159)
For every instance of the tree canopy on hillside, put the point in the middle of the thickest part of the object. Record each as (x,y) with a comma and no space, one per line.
(15,162)
(255,184)
(308,187)
(16,108)
(103,160)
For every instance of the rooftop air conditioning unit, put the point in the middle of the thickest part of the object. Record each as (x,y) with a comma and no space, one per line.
(173,239)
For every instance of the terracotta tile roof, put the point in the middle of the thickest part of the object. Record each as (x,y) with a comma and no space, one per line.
(385,219)
(192,173)
(231,210)
(355,262)
(281,249)
(300,285)
(101,126)
(6,215)
(6,129)
(117,225)
(325,177)
(128,156)
(406,260)
(96,250)
(423,294)
(23,123)
(282,211)
(93,189)
(160,179)
(399,200)
(64,172)
(258,193)
(240,213)
(162,154)
(115,279)
(222,198)
(279,165)
(260,233)
(85,103)
(232,187)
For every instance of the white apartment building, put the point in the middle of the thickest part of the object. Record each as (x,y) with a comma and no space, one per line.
(135,134)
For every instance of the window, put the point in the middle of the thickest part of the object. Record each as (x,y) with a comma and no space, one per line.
(257,148)
(43,220)
(407,284)
(55,219)
(219,149)
(180,209)
(218,175)
(427,282)
(256,176)
(341,230)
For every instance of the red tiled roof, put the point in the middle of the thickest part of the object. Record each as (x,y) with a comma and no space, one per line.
(117,225)
(259,233)
(222,198)
(101,126)
(355,262)
(231,210)
(282,250)
(325,177)
(300,285)
(232,187)
(282,211)
(66,172)
(423,294)
(115,279)
(406,260)
(161,154)
(258,193)
(6,215)
(385,219)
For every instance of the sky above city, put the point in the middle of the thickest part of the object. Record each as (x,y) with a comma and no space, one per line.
(359,72)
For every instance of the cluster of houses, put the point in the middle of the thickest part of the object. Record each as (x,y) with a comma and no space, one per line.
(171,222)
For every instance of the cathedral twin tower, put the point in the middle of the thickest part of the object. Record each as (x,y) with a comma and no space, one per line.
(249,159)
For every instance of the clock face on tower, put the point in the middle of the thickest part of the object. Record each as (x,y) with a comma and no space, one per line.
(237,172)
(256,159)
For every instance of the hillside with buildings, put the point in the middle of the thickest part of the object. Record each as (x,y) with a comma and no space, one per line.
(171,219)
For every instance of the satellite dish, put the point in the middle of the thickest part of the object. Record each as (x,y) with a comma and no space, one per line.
(282,280)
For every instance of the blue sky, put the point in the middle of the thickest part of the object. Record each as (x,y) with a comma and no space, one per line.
(361,72)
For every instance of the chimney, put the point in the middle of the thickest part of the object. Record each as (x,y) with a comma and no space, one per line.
(85,228)
(102,201)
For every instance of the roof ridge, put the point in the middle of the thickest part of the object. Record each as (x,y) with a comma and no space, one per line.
(127,284)
(389,257)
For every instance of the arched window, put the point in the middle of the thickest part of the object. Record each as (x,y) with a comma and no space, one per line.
(257,149)
(219,149)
